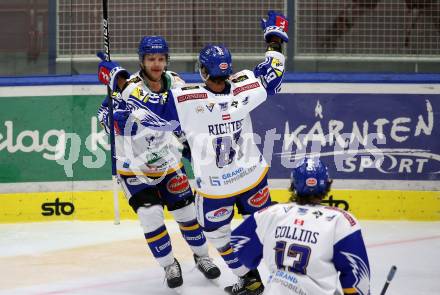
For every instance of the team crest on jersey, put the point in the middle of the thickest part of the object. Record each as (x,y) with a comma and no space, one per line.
(178,184)
(234,103)
(220,214)
(260,198)
(210,106)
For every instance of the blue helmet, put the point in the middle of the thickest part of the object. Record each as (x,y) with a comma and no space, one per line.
(217,60)
(151,45)
(310,177)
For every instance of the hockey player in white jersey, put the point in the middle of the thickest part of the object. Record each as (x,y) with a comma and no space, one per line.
(306,246)
(228,167)
(150,170)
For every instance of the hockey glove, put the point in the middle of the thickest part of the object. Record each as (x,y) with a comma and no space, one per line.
(108,72)
(120,118)
(275,25)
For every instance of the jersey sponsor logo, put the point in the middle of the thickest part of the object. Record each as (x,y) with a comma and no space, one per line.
(133,181)
(215,181)
(200,109)
(190,87)
(346,215)
(210,106)
(178,184)
(226,117)
(311,181)
(245,100)
(245,88)
(243,172)
(234,103)
(223,106)
(260,198)
(191,96)
(240,79)
(220,214)
(223,66)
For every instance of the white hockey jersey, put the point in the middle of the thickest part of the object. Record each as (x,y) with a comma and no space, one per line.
(147,152)
(218,128)
(304,248)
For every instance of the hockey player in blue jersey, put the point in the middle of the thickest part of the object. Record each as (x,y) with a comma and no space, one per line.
(306,246)
(150,170)
(228,166)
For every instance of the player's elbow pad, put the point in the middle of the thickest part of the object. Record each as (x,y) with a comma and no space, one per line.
(271,71)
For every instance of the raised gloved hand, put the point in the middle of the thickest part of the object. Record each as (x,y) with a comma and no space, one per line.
(109,71)
(275,25)
(271,72)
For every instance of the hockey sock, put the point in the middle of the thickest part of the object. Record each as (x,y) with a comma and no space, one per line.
(160,245)
(228,255)
(193,235)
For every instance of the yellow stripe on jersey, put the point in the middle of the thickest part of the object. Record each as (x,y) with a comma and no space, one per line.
(157,237)
(350,291)
(153,174)
(192,227)
(236,193)
(229,251)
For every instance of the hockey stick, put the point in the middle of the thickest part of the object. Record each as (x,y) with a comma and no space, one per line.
(110,112)
(389,279)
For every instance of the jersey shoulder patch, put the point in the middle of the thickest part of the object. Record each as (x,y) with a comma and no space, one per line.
(190,87)
(135,79)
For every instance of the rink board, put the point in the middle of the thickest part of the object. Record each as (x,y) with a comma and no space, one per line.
(401,167)
(98,205)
